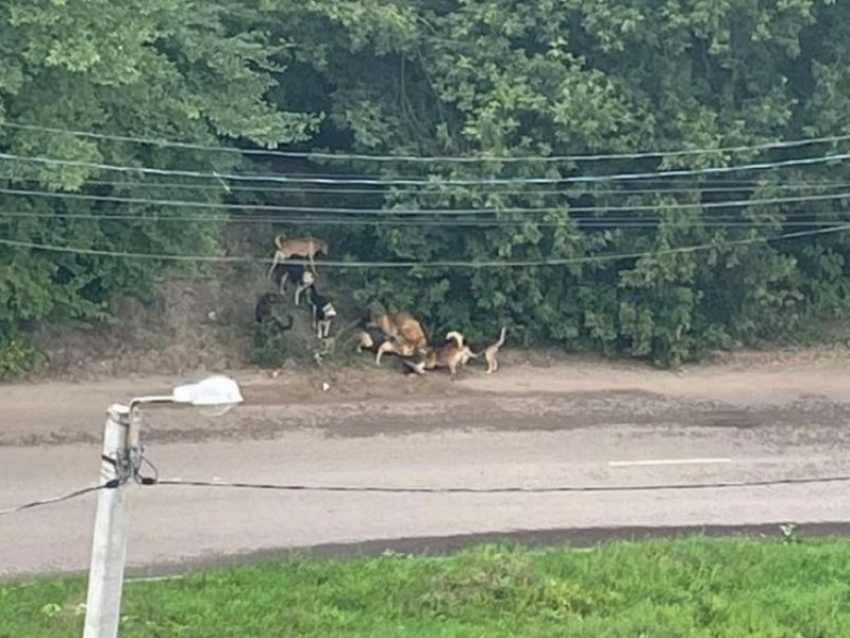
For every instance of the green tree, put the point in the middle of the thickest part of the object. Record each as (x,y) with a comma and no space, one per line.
(511,78)
(193,71)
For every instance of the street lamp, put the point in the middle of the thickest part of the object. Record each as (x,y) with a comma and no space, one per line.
(217,392)
(119,463)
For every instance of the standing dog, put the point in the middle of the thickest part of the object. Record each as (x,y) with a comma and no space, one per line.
(490,352)
(303,277)
(323,312)
(305,247)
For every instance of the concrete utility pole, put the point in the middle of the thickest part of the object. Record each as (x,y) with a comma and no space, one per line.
(121,454)
(109,548)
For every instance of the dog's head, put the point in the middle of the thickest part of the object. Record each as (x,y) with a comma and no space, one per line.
(308,278)
(329,311)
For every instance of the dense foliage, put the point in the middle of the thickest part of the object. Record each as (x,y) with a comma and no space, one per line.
(460,78)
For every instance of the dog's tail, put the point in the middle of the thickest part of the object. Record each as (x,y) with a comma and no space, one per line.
(478,349)
(455,336)
(285,325)
(501,340)
(279,240)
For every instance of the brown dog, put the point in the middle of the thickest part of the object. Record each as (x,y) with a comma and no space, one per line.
(403,329)
(305,247)
(452,355)
(489,351)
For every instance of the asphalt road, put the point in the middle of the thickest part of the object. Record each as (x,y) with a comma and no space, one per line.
(583,438)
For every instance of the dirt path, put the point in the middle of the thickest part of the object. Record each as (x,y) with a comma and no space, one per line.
(57,412)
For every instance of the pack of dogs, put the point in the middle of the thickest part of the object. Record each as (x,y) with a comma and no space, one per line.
(392,333)
(303,276)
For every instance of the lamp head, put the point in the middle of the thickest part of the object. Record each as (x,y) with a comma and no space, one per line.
(215,391)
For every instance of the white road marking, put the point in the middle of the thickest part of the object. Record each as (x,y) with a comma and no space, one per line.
(667,462)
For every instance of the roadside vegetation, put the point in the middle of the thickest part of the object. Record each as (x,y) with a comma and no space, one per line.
(686,588)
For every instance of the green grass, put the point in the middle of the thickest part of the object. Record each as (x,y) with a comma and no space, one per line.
(691,588)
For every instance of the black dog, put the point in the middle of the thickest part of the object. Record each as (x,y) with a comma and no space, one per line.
(300,274)
(264,312)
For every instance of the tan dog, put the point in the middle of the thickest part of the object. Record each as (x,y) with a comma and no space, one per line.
(403,329)
(305,247)
(452,356)
(489,351)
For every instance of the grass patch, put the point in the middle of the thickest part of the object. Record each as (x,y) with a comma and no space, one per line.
(690,588)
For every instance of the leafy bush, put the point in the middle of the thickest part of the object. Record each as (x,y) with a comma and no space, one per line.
(16,357)
(270,348)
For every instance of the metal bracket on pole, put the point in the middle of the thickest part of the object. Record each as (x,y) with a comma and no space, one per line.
(109,546)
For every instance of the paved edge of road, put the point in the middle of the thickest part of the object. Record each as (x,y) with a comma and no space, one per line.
(579,538)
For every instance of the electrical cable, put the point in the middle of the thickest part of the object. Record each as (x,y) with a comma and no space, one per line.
(582,179)
(506,490)
(182,203)
(436,264)
(58,499)
(713,221)
(731,186)
(428,159)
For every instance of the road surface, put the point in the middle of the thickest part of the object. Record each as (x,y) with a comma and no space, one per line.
(538,429)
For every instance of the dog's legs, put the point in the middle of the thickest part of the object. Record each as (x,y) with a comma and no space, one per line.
(283,281)
(298,290)
(275,262)
(386,347)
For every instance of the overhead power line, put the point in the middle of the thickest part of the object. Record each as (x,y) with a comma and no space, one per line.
(54,500)
(729,187)
(377,489)
(505,490)
(435,264)
(578,179)
(720,221)
(737,203)
(831,139)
